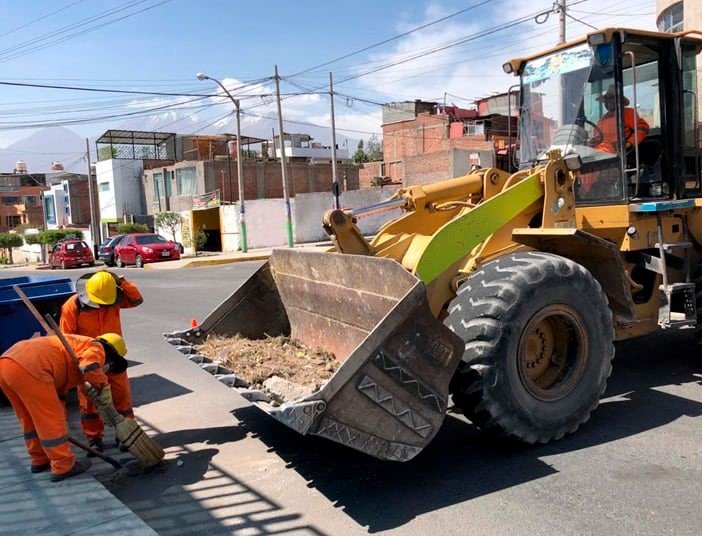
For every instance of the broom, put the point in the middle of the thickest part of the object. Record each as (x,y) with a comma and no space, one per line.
(128,431)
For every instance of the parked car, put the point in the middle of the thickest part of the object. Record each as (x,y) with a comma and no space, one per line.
(70,253)
(140,248)
(106,251)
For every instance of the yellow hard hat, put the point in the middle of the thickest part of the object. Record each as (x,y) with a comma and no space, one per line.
(101,288)
(115,341)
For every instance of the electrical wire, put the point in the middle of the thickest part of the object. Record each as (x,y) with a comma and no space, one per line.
(25,25)
(394,38)
(18,52)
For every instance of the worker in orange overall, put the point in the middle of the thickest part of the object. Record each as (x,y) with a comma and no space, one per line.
(36,375)
(94,310)
(606,139)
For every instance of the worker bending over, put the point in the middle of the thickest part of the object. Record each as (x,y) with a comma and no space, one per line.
(94,310)
(36,374)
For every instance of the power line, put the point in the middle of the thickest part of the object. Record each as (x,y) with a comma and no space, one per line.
(69,27)
(21,53)
(64,8)
(115,90)
(394,38)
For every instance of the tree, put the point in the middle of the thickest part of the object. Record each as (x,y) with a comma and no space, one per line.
(9,241)
(108,152)
(170,220)
(360,155)
(374,150)
(127,228)
(200,240)
(53,236)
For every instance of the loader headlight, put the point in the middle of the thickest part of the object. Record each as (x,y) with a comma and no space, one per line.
(596,38)
(507,68)
(573,162)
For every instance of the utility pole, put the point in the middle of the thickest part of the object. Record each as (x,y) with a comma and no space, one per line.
(562,21)
(283,167)
(94,234)
(335,178)
(243,243)
(240,180)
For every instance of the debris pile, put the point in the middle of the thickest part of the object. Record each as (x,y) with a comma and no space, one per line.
(282,368)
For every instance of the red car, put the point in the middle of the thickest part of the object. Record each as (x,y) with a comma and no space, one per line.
(140,248)
(70,253)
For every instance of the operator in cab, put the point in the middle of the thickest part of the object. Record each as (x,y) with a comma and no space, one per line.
(635,127)
(606,139)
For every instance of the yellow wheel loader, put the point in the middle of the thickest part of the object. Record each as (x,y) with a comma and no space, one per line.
(504,292)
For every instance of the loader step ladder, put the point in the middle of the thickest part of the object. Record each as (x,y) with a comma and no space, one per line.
(678,307)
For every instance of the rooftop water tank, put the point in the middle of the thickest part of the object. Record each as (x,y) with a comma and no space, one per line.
(56,166)
(20,166)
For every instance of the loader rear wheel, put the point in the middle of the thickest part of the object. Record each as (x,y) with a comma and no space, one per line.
(698,303)
(538,346)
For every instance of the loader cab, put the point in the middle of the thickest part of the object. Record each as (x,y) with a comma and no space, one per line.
(626,102)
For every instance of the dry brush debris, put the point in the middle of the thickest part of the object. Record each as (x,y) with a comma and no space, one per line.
(273,358)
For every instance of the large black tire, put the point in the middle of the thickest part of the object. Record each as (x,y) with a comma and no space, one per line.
(698,303)
(517,315)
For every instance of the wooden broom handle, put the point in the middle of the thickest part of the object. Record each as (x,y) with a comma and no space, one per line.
(47,323)
(62,338)
(32,309)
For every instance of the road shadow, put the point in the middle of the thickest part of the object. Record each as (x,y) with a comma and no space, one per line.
(188,494)
(209,436)
(154,388)
(462,463)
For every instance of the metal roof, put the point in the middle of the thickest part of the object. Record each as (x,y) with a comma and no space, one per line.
(134,137)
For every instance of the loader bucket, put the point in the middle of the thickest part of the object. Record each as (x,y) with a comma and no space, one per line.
(389,395)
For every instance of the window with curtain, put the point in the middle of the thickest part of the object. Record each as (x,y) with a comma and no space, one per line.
(186,181)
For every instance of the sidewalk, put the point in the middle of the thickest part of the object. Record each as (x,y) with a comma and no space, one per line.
(227,258)
(32,504)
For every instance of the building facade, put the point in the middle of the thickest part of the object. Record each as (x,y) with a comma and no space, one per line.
(176,187)
(20,200)
(425,142)
(66,201)
(678,16)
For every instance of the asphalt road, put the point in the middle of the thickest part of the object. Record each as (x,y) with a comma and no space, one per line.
(634,468)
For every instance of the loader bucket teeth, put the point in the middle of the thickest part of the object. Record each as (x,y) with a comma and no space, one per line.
(388,397)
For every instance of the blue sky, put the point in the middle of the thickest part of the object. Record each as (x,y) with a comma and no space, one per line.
(162,48)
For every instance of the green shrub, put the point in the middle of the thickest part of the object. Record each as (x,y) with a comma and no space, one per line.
(52,236)
(127,228)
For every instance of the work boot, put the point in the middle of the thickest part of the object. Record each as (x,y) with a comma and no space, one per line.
(39,468)
(97,444)
(81,466)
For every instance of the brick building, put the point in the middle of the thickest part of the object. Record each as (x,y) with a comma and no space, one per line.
(209,168)
(20,198)
(426,142)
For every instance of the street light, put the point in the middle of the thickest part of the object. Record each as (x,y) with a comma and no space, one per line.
(239,165)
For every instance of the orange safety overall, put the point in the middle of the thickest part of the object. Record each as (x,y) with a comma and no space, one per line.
(36,374)
(607,125)
(81,319)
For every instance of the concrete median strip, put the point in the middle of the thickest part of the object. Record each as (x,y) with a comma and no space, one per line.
(207,261)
